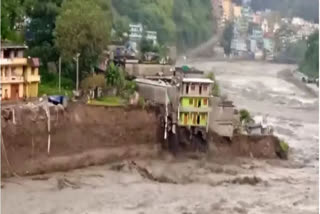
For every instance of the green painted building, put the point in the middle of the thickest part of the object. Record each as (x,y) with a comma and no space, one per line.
(194,102)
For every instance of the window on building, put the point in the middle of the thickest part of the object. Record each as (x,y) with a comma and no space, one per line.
(33,71)
(198,119)
(187,89)
(205,88)
(205,101)
(200,89)
(193,87)
(13,72)
(199,103)
(6,71)
(190,101)
(6,94)
(203,116)
(6,54)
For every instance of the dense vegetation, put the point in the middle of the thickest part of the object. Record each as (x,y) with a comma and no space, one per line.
(310,64)
(307,9)
(55,28)
(182,22)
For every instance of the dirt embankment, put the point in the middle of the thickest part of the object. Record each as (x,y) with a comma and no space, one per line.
(81,134)
(258,146)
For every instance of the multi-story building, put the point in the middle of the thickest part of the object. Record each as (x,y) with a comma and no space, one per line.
(152,35)
(194,107)
(136,32)
(237,10)
(227,10)
(19,75)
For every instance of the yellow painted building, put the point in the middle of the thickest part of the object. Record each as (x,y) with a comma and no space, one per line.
(194,104)
(19,75)
(237,11)
(227,10)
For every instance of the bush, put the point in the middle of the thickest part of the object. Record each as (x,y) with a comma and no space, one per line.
(141,102)
(284,146)
(245,116)
(215,88)
(94,81)
(284,150)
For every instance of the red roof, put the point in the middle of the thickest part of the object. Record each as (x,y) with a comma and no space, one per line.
(34,62)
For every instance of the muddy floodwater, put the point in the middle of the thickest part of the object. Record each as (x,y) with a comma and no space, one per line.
(196,185)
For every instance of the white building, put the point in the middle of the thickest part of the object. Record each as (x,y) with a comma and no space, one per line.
(152,35)
(265,26)
(136,32)
(297,21)
(276,27)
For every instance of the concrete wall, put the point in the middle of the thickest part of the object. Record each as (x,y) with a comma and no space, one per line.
(31,90)
(221,118)
(147,69)
(194,89)
(5,91)
(152,92)
(6,87)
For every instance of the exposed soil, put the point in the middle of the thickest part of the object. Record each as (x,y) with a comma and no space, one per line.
(80,130)
(84,136)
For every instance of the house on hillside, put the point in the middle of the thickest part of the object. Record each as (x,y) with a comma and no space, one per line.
(194,108)
(152,36)
(136,32)
(19,75)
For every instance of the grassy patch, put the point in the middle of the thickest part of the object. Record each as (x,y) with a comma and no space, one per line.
(108,101)
(141,102)
(52,90)
(245,116)
(284,146)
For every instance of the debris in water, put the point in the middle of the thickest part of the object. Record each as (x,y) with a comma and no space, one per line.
(143,172)
(64,183)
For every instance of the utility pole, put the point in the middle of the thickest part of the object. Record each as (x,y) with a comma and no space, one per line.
(60,74)
(77,78)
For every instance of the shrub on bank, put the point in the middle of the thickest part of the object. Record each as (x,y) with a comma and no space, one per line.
(215,88)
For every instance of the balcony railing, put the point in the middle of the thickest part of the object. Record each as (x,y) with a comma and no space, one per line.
(12,79)
(195,109)
(32,78)
(14,61)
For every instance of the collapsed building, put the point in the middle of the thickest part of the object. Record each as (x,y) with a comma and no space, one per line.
(190,110)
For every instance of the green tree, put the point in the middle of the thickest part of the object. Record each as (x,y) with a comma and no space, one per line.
(83,27)
(310,64)
(12,14)
(227,38)
(194,22)
(39,31)
(154,15)
(93,81)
